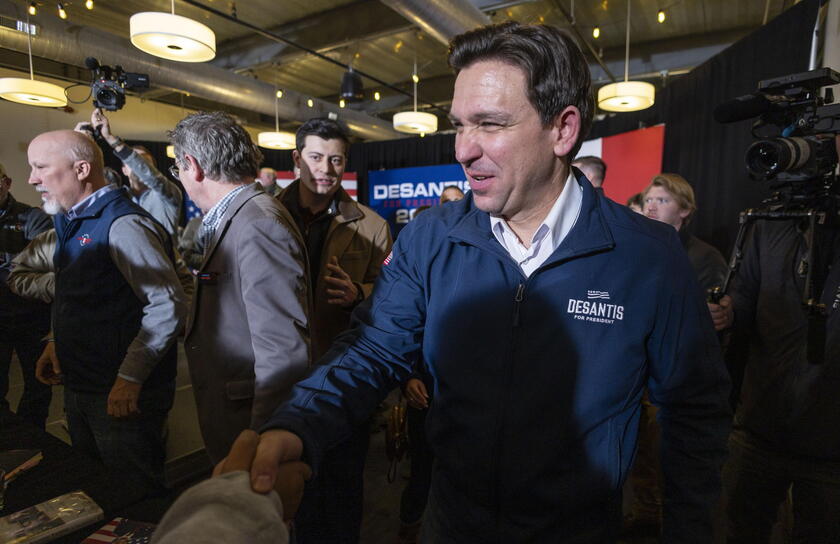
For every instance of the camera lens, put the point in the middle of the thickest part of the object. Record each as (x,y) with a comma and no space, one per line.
(107,98)
(766,158)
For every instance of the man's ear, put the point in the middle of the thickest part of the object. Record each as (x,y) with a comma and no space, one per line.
(565,130)
(296,157)
(193,166)
(82,169)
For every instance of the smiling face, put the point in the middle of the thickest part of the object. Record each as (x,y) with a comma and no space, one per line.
(58,179)
(321,163)
(510,157)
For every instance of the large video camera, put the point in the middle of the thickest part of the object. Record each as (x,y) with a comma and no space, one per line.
(795,152)
(109,84)
(795,132)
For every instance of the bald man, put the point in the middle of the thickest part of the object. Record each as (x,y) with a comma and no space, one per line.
(118,309)
(268,180)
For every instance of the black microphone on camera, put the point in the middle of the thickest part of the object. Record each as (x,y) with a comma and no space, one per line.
(92,64)
(742,108)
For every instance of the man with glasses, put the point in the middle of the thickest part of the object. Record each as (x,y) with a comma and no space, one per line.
(670,199)
(246,341)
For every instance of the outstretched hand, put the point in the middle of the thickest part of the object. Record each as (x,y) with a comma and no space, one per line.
(273,460)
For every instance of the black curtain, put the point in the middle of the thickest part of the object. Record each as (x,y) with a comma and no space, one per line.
(711,155)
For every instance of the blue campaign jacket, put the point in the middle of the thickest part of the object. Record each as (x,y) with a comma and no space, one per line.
(537,381)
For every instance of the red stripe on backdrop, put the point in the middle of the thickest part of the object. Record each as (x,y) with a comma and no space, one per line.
(632,158)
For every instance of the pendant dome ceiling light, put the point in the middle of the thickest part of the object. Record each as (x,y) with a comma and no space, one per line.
(626,95)
(415,122)
(172,37)
(30,91)
(276,139)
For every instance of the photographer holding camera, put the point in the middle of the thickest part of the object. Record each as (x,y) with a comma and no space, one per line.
(784,300)
(150,188)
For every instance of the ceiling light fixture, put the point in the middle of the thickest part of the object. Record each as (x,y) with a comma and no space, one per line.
(30,91)
(172,37)
(626,95)
(33,9)
(415,122)
(376,95)
(661,16)
(352,89)
(341,103)
(61,11)
(279,93)
(89,4)
(596,32)
(276,139)
(310,103)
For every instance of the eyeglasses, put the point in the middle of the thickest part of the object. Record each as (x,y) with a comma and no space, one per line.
(175,172)
(659,200)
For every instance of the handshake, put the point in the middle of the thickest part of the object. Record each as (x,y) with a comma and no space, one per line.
(272,459)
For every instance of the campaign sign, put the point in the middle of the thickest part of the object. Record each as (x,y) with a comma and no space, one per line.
(396,194)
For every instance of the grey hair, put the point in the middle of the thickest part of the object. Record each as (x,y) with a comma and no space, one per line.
(221,146)
(81,147)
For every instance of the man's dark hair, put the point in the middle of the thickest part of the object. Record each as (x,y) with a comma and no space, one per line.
(593,163)
(556,72)
(323,128)
(638,199)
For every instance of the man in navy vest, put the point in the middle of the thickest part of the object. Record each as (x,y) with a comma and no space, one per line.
(118,309)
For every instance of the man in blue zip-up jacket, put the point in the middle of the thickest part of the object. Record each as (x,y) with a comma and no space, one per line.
(542,310)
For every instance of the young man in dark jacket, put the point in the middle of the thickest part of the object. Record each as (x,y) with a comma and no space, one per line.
(542,310)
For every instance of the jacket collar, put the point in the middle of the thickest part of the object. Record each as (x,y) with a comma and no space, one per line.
(246,194)
(590,233)
(99,204)
(347,208)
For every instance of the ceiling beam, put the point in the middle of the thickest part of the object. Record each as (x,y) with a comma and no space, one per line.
(322,32)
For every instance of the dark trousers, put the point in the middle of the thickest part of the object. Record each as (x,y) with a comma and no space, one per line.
(132,446)
(645,477)
(756,481)
(331,509)
(416,493)
(26,342)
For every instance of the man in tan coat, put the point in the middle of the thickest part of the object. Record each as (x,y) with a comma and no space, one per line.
(346,243)
(246,341)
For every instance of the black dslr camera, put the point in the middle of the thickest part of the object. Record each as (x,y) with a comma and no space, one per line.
(109,84)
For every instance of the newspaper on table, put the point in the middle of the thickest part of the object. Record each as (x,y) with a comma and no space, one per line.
(50,519)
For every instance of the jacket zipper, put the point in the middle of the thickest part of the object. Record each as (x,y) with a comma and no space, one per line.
(518,299)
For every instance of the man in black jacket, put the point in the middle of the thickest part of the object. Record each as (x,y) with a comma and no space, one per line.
(785,432)
(23,323)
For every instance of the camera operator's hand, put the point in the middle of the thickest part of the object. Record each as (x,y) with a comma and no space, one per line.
(101,123)
(722,314)
(84,127)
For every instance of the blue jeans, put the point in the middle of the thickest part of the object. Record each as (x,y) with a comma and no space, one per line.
(26,342)
(756,481)
(131,446)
